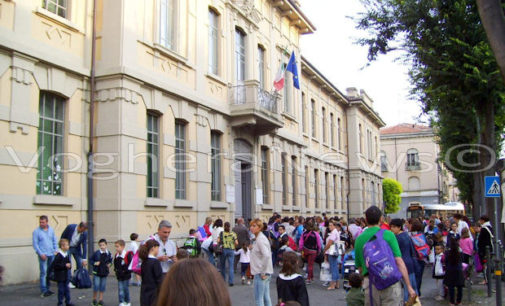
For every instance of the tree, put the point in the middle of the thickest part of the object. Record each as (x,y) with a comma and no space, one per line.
(454,76)
(391,190)
(493,20)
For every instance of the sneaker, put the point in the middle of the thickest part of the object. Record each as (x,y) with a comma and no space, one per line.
(70,304)
(308,282)
(50,292)
(326,284)
(231,285)
(243,280)
(71,286)
(248,282)
(47,293)
(94,303)
(100,303)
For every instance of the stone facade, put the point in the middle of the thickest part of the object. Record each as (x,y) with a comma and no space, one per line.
(409,154)
(191,81)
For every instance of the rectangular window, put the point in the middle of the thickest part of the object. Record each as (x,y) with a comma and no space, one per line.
(323,113)
(313,110)
(316,187)
(294,176)
(264,173)
(335,193)
(167,23)
(307,186)
(360,139)
(284,170)
(372,186)
(339,134)
(153,136)
(180,160)
(332,130)
(343,198)
(58,7)
(239,55)
(215,150)
(261,66)
(213,41)
(363,194)
(50,141)
(304,114)
(327,189)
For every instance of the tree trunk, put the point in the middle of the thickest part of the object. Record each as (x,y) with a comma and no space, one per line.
(487,149)
(493,20)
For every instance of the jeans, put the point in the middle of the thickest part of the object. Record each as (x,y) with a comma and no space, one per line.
(311,258)
(99,283)
(77,257)
(123,291)
(63,291)
(44,266)
(451,294)
(210,257)
(412,279)
(243,268)
(262,290)
(333,267)
(419,266)
(228,255)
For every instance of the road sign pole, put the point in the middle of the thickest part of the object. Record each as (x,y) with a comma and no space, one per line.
(497,255)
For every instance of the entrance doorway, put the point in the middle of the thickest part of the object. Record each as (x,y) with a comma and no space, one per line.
(243,179)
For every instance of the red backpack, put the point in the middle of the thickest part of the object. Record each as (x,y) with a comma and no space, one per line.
(421,246)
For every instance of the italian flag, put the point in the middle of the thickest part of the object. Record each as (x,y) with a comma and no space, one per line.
(279,78)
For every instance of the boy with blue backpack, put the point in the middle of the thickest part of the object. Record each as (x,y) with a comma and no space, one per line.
(379,260)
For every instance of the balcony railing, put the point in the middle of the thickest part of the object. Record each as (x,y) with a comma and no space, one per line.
(412,167)
(252,93)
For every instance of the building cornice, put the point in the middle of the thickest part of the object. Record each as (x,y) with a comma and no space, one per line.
(370,112)
(314,74)
(408,135)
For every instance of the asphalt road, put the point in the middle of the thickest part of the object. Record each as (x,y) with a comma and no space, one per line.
(28,294)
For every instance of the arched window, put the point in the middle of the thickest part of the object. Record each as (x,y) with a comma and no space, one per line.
(384,162)
(240,37)
(414,183)
(412,159)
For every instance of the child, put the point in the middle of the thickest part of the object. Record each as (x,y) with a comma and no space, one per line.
(133,247)
(192,244)
(355,295)
(466,244)
(61,267)
(453,234)
(439,271)
(244,260)
(454,278)
(290,284)
(100,261)
(123,275)
(152,275)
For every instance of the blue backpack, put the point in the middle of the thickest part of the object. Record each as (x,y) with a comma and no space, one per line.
(380,262)
(81,279)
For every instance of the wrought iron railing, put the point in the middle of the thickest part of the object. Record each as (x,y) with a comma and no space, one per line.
(253,94)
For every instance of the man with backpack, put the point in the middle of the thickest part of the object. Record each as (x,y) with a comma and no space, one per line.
(379,260)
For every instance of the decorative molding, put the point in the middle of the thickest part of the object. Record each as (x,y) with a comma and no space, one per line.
(55,200)
(21,75)
(117,93)
(201,120)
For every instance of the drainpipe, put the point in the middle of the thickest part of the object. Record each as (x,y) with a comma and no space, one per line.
(347,170)
(91,226)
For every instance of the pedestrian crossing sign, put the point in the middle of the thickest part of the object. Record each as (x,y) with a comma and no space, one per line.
(492,186)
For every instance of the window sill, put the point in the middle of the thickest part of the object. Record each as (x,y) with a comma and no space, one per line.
(314,139)
(170,53)
(286,208)
(184,204)
(289,116)
(219,205)
(58,19)
(43,199)
(155,202)
(216,78)
(326,145)
(296,208)
(267,207)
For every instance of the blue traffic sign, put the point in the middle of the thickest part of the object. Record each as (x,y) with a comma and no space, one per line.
(492,186)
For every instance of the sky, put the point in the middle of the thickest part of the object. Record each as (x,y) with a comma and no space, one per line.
(331,49)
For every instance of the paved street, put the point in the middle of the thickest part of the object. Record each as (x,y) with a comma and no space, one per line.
(27,294)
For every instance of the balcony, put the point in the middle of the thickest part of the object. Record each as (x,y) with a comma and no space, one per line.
(413,167)
(254,109)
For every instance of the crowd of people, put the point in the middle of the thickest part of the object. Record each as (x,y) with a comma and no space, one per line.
(210,255)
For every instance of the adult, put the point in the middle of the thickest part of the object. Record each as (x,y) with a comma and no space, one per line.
(167,249)
(299,228)
(288,225)
(242,237)
(207,226)
(78,237)
(408,253)
(229,241)
(485,240)
(261,264)
(193,282)
(310,244)
(391,295)
(458,218)
(332,255)
(420,263)
(45,245)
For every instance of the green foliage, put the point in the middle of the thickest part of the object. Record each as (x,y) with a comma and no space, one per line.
(391,190)
(453,72)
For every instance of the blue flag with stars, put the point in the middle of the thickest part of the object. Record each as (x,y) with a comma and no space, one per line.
(292,68)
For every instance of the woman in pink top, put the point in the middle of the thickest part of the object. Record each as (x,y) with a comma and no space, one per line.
(466,245)
(332,257)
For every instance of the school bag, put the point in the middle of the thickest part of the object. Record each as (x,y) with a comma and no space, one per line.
(421,245)
(380,262)
(310,240)
(191,246)
(203,234)
(136,263)
(81,279)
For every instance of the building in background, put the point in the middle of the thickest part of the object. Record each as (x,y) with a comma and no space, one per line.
(409,154)
(186,124)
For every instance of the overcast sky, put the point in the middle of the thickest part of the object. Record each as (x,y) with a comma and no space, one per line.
(332,50)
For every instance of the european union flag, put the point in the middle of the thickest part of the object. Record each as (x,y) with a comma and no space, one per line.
(292,68)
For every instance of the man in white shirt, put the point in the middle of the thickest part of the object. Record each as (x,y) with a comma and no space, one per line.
(168,249)
(461,224)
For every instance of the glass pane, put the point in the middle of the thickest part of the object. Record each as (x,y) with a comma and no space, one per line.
(51,7)
(62,3)
(61,12)
(48,107)
(59,109)
(58,128)
(57,189)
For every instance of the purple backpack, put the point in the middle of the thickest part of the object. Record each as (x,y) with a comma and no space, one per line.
(380,262)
